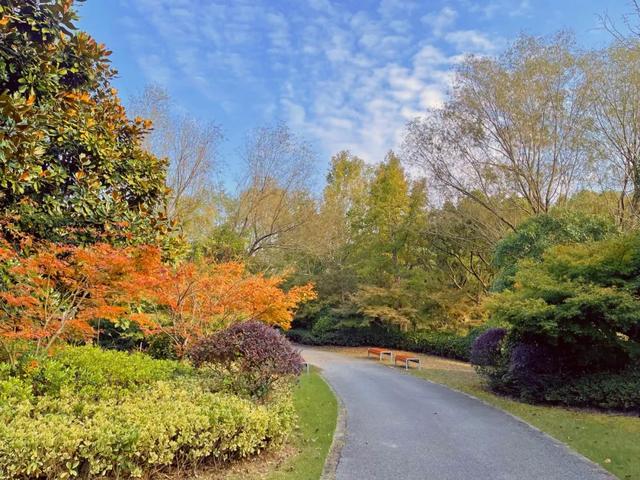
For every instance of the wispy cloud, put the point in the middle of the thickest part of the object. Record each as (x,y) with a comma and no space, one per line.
(345,76)
(441,20)
(471,41)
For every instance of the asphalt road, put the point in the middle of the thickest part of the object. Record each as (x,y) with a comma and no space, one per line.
(401,427)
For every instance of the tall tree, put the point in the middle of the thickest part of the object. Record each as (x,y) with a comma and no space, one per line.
(332,237)
(72,165)
(381,236)
(191,147)
(274,198)
(515,128)
(614,81)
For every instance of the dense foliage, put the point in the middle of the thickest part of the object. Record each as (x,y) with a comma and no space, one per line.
(486,348)
(574,325)
(258,355)
(86,413)
(52,292)
(72,166)
(537,234)
(444,344)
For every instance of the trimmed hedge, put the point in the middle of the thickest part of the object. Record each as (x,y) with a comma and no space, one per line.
(90,413)
(252,355)
(618,391)
(449,345)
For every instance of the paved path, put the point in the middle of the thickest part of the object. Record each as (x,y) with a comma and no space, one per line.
(400,427)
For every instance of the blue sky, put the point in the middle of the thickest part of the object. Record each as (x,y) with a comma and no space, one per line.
(343,74)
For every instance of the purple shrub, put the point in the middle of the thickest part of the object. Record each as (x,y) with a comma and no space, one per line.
(529,360)
(485,351)
(531,370)
(262,354)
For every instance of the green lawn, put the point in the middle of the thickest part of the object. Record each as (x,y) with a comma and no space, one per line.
(611,440)
(317,410)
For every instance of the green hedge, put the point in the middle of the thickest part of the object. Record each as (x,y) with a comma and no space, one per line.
(124,416)
(443,344)
(618,391)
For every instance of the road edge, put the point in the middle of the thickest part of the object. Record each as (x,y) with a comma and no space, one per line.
(339,437)
(599,468)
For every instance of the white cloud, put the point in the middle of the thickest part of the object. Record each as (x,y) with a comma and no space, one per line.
(440,21)
(471,41)
(343,78)
(490,9)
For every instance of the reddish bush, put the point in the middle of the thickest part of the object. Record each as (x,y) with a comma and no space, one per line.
(260,352)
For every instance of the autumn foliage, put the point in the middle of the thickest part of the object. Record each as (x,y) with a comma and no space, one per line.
(51,292)
(202,297)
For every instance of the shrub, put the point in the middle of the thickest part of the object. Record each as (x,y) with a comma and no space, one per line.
(444,344)
(90,369)
(486,348)
(90,413)
(620,391)
(170,423)
(574,332)
(580,304)
(260,354)
(161,347)
(535,235)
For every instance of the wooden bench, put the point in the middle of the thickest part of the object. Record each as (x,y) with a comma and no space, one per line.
(406,358)
(379,352)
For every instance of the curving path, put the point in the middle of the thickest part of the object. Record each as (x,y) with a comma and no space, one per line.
(405,428)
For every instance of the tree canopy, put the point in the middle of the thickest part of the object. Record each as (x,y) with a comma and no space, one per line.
(73,166)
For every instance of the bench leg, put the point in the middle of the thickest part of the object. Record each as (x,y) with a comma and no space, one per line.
(406,364)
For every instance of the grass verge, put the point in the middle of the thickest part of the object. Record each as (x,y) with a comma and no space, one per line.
(317,409)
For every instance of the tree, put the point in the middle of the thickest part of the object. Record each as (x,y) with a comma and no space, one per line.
(344,201)
(614,81)
(537,234)
(51,292)
(514,129)
(579,306)
(394,216)
(331,242)
(72,165)
(191,147)
(461,248)
(203,297)
(273,200)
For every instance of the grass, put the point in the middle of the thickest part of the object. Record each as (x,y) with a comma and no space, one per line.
(317,410)
(611,440)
